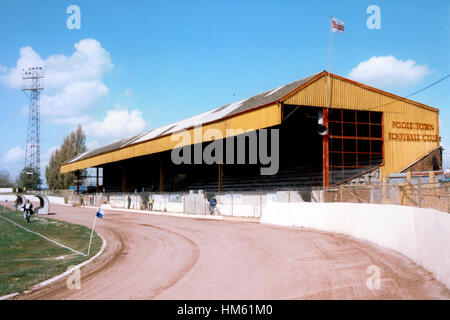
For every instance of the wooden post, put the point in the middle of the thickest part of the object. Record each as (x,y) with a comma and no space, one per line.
(220,177)
(409,177)
(407,187)
(325,158)
(400,191)
(432,200)
(383,188)
(431,176)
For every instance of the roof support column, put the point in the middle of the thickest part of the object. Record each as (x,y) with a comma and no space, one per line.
(325,152)
(220,177)
(77,178)
(96,182)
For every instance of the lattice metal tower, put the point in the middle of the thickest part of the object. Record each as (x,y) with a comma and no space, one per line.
(33,84)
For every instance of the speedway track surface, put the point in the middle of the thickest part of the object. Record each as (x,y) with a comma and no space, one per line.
(161,257)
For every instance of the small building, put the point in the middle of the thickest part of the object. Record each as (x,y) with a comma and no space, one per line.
(315,132)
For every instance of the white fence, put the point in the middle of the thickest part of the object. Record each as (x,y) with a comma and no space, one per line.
(228,204)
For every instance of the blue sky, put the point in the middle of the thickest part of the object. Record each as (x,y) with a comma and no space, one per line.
(149,63)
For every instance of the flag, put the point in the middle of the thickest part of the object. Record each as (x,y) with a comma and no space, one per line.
(100,213)
(337,25)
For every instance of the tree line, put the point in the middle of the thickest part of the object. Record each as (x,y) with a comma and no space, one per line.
(73,144)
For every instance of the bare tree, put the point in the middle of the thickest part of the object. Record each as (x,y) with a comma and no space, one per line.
(5,179)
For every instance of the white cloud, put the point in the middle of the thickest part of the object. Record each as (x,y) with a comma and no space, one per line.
(74,98)
(73,88)
(15,154)
(72,83)
(89,62)
(92,144)
(73,121)
(118,124)
(388,72)
(28,58)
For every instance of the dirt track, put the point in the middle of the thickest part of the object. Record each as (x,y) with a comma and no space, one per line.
(158,257)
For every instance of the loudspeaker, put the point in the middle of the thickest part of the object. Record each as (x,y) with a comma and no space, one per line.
(322,130)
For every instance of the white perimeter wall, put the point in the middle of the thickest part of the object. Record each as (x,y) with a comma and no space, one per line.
(423,235)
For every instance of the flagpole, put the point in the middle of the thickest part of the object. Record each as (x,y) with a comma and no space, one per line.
(325,141)
(92,233)
(330,39)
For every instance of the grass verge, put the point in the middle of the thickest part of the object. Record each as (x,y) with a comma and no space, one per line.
(27,259)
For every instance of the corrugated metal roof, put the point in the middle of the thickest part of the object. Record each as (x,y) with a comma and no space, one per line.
(110,147)
(237,107)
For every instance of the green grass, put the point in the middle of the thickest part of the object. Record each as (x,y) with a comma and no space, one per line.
(27,259)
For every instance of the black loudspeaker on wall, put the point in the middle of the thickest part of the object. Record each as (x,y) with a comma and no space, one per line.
(321,129)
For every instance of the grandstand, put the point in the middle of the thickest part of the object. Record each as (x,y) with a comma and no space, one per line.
(367,130)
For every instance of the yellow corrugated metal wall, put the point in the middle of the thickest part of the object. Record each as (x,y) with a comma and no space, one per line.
(348,95)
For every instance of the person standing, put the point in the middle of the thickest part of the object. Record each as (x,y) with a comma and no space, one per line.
(28,208)
(213,206)
(150,203)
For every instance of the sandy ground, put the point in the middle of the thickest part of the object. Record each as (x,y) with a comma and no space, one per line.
(159,257)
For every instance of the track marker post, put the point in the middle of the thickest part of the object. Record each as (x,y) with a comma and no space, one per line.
(100,213)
